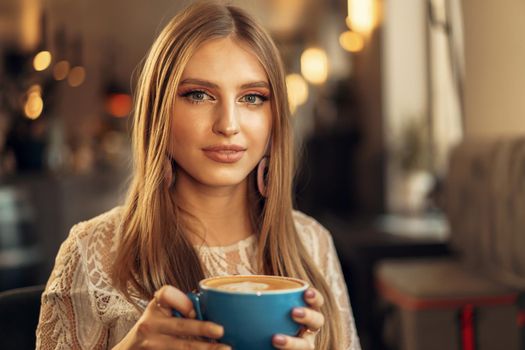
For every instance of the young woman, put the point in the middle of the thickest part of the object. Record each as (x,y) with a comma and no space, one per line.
(211,195)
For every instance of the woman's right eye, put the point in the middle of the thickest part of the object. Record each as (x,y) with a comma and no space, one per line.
(197,96)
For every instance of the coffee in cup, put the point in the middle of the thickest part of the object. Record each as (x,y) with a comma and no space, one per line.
(251,284)
(251,308)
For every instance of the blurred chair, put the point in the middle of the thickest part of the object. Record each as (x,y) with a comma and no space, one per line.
(469,301)
(19,312)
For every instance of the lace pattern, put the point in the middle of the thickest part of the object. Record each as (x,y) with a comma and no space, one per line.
(81,310)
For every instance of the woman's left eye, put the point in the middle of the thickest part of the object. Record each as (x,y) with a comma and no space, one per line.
(254,99)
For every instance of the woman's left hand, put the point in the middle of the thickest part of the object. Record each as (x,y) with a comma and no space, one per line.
(310,317)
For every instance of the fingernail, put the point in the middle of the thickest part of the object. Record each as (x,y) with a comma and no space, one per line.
(309,293)
(279,339)
(298,313)
(192,314)
(224,347)
(217,331)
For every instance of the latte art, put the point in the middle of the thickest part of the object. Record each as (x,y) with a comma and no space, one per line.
(252,284)
(245,286)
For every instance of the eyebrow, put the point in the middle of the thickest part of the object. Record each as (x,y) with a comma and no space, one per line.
(255,84)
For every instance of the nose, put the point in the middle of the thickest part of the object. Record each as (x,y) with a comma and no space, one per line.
(227,120)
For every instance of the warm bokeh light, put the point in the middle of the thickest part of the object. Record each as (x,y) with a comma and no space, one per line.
(297,90)
(351,41)
(362,15)
(34,105)
(314,65)
(42,60)
(76,77)
(61,70)
(119,105)
(35,89)
(27,21)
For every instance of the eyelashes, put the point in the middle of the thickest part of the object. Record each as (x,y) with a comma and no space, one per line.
(196,96)
(255,99)
(200,96)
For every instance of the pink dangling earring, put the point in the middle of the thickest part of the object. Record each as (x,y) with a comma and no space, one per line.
(262,170)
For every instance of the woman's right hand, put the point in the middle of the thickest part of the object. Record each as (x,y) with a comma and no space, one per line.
(158,329)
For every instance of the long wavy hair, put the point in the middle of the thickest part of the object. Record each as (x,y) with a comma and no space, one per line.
(154,249)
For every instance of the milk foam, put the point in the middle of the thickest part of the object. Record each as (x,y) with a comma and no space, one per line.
(245,286)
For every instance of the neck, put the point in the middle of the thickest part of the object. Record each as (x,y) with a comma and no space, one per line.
(222,212)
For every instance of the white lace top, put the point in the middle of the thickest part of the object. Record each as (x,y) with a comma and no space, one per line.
(81,309)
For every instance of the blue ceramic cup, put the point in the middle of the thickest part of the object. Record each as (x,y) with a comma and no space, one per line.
(251,308)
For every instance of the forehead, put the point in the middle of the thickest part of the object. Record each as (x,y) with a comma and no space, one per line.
(225,60)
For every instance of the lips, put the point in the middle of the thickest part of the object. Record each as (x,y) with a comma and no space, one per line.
(224,153)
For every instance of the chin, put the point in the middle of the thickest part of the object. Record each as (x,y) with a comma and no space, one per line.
(222,180)
(218,177)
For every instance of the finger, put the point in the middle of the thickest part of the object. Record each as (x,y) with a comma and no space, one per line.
(155,307)
(188,327)
(169,343)
(313,298)
(312,319)
(169,297)
(281,341)
(198,345)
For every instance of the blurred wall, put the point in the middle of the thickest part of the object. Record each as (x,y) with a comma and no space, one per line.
(116,36)
(405,88)
(495,67)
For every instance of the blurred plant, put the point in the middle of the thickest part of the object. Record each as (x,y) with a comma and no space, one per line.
(414,151)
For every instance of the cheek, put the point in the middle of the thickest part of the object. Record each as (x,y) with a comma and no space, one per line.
(259,128)
(185,130)
(180,135)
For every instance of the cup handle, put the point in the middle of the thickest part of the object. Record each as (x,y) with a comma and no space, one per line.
(195,300)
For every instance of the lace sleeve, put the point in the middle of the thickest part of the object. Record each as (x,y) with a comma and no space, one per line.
(331,267)
(68,319)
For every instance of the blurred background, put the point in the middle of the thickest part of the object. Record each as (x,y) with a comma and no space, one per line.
(382,92)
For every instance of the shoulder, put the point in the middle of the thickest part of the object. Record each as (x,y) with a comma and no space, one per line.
(315,237)
(85,255)
(84,261)
(96,240)
(105,223)
(98,233)
(79,245)
(308,226)
(79,288)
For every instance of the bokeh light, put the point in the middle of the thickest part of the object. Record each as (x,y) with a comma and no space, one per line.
(61,70)
(297,90)
(76,77)
(351,41)
(314,65)
(119,105)
(362,15)
(42,60)
(34,104)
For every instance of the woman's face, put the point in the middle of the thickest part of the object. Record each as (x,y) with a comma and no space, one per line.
(222,115)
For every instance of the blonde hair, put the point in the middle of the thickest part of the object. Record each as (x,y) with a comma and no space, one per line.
(153,249)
